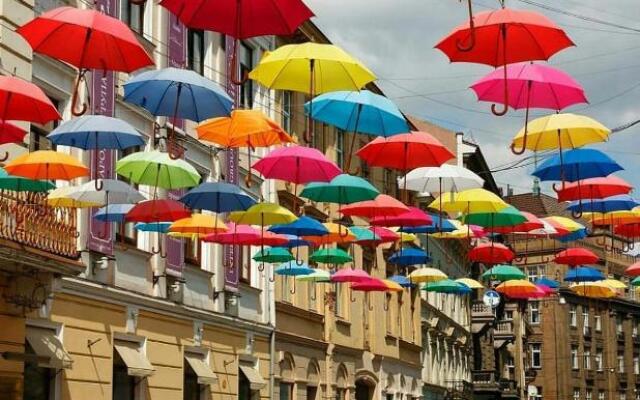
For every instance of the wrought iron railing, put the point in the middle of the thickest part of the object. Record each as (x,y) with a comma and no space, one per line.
(26,218)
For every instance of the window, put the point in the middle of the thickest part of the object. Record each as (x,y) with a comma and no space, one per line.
(245,264)
(585,317)
(195,50)
(287,110)
(588,395)
(340,148)
(191,389)
(536,355)
(636,364)
(338,301)
(618,324)
(192,250)
(601,395)
(574,357)
(388,314)
(573,316)
(620,362)
(535,272)
(587,359)
(245,55)
(534,312)
(244,387)
(312,392)
(598,359)
(576,394)
(38,135)
(127,232)
(124,385)
(133,15)
(286,391)
(40,380)
(537,394)
(622,395)
(634,327)
(598,322)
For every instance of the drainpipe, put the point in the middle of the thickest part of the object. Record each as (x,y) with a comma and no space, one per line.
(459,152)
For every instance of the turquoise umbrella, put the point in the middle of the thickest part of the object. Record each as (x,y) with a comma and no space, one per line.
(343,189)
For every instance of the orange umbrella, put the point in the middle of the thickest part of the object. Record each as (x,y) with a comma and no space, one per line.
(46,165)
(198,224)
(337,234)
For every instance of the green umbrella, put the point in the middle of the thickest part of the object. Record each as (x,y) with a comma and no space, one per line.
(331,256)
(343,189)
(273,255)
(446,286)
(636,281)
(503,273)
(19,184)
(509,216)
(317,276)
(155,168)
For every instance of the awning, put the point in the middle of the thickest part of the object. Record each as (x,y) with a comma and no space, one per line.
(46,344)
(205,375)
(136,362)
(253,376)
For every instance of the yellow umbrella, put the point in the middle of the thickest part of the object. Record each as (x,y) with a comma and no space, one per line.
(263,214)
(593,289)
(181,235)
(393,286)
(470,283)
(427,275)
(47,165)
(614,217)
(60,198)
(614,284)
(567,223)
(469,201)
(198,224)
(336,234)
(559,131)
(406,237)
(462,231)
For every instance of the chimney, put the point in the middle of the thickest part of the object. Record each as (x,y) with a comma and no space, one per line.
(536,187)
(509,191)
(459,152)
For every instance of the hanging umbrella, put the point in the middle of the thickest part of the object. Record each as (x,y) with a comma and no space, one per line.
(219,197)
(614,218)
(263,214)
(382,205)
(295,241)
(421,275)
(491,253)
(365,237)
(273,255)
(297,164)
(410,256)
(563,225)
(550,283)
(158,169)
(406,237)
(113,213)
(445,178)
(158,210)
(244,128)
(371,285)
(350,275)
(414,217)
(235,234)
(636,281)
(508,216)
(520,289)
(21,100)
(198,224)
(18,184)
(60,197)
(594,188)
(583,274)
(46,165)
(446,286)
(467,201)
(621,202)
(461,232)
(343,189)
(331,256)
(303,226)
(158,227)
(10,133)
(402,280)
(437,225)
(470,283)
(531,223)
(392,286)
(267,239)
(311,68)
(633,269)
(112,191)
(292,269)
(317,276)
(593,289)
(573,236)
(575,256)
(386,235)
(358,112)
(92,40)
(503,272)
(614,284)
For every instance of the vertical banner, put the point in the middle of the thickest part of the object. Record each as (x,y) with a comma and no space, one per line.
(176,54)
(102,103)
(231,259)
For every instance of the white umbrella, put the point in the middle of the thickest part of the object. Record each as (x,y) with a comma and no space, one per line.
(113,192)
(446,178)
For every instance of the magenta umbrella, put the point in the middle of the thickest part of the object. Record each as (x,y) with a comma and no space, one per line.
(235,235)
(530,86)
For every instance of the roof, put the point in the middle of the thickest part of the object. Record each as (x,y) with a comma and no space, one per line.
(541,205)
(445,136)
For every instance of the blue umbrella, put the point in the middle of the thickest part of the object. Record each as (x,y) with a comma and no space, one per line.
(574,165)
(91,132)
(161,227)
(292,269)
(583,274)
(409,256)
(359,112)
(402,281)
(608,204)
(547,282)
(218,197)
(434,227)
(113,212)
(296,241)
(303,226)
(573,236)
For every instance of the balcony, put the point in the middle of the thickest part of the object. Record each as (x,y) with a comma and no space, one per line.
(485,381)
(503,333)
(509,389)
(459,390)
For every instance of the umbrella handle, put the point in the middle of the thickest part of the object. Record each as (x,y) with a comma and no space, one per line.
(5,157)
(98,184)
(308,133)
(159,250)
(351,298)
(369,305)
(524,144)
(272,278)
(75,98)
(234,67)
(557,188)
(261,266)
(472,39)
(312,288)
(293,288)
(576,214)
(494,107)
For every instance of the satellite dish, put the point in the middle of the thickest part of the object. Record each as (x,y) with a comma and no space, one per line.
(532,391)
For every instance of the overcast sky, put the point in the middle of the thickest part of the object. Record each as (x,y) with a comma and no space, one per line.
(395,38)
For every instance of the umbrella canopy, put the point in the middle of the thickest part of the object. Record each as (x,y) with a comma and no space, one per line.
(295,241)
(365,237)
(564,131)
(405,151)
(158,227)
(504,36)
(267,239)
(593,289)
(273,255)
(241,19)
(297,164)
(531,223)
(618,218)
(382,205)
(427,275)
(113,212)
(370,285)
(437,225)
(336,233)
(470,283)
(530,86)
(181,93)
(158,169)
(263,214)
(303,226)
(520,289)
(491,253)
(472,200)
(402,280)
(583,274)
(198,224)
(317,276)
(91,132)
(92,40)
(10,133)
(218,197)
(350,275)
(359,111)
(503,272)
(293,269)
(594,188)
(158,210)
(413,217)
(614,284)
(406,237)
(445,178)
(550,283)
(633,269)
(386,235)
(343,189)
(409,256)
(21,100)
(47,165)
(60,197)
(331,256)
(446,286)
(573,236)
(576,164)
(509,216)
(113,191)
(235,234)
(392,286)
(244,128)
(18,184)
(620,202)
(635,281)
(294,66)
(563,225)
(575,256)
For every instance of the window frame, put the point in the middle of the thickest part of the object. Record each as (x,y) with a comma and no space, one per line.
(573,316)
(536,349)
(247,87)
(127,7)
(192,35)
(575,359)
(534,311)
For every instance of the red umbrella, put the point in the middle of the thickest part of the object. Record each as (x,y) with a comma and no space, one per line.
(236,234)
(491,253)
(159,210)
(413,217)
(594,188)
(504,36)
(385,235)
(633,269)
(266,239)
(21,100)
(10,133)
(241,19)
(575,256)
(383,205)
(86,39)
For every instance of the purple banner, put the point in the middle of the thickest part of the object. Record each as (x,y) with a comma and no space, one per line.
(176,58)
(232,273)
(103,103)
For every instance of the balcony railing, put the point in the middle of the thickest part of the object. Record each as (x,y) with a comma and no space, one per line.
(459,389)
(483,377)
(504,327)
(26,218)
(586,331)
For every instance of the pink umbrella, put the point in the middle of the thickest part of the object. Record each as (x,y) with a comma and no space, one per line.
(236,234)
(370,285)
(383,205)
(545,289)
(413,217)
(350,275)
(530,86)
(385,235)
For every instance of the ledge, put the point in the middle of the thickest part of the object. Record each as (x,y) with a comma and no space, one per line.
(403,344)
(16,253)
(343,322)
(290,309)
